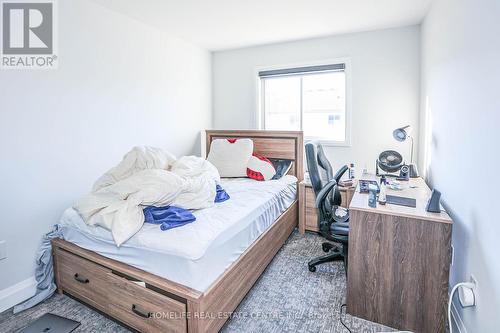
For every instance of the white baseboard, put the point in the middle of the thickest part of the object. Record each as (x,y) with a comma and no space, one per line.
(17,293)
(456,319)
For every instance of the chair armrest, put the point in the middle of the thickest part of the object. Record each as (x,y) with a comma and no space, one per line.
(324,192)
(340,173)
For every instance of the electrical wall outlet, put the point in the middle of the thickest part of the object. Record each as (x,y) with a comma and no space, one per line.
(466,296)
(3,250)
(467,293)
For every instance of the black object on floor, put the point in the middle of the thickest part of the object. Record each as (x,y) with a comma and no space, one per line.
(401,201)
(51,323)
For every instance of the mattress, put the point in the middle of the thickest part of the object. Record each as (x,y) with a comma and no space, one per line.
(196,254)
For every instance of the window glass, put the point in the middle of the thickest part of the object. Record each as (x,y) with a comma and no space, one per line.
(282,103)
(314,102)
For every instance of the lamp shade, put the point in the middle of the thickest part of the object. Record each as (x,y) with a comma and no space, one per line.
(400,134)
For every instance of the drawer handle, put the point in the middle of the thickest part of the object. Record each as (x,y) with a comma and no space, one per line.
(140,312)
(80,279)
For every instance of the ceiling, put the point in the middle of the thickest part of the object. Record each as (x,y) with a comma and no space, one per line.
(226,24)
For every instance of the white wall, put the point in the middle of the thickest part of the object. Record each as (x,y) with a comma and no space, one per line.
(460,92)
(385,86)
(119,83)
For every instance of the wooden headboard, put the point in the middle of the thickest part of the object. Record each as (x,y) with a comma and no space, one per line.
(271,144)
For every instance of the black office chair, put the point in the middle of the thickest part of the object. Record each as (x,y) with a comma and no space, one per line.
(333,220)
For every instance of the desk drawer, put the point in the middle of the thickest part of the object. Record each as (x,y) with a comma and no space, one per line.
(84,278)
(144,309)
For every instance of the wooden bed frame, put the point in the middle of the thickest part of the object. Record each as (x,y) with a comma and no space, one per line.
(165,306)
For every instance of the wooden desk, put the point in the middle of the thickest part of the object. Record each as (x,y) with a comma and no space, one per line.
(399,261)
(308,218)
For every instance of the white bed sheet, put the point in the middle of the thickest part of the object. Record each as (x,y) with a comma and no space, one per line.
(196,254)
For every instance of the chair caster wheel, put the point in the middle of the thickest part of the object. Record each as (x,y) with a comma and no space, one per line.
(312,269)
(326,247)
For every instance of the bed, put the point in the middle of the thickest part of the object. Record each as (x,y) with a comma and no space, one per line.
(158,284)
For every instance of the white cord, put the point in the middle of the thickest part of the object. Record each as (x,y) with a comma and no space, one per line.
(465,284)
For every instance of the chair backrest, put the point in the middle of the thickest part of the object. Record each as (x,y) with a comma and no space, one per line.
(320,169)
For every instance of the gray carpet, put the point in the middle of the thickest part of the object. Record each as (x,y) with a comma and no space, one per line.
(287,298)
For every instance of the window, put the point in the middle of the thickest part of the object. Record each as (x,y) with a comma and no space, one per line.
(312,99)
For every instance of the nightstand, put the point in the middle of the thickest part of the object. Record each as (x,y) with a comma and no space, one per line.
(308,219)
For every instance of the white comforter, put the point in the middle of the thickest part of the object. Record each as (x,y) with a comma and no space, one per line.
(147,176)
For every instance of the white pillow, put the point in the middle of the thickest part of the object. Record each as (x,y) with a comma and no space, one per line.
(230,156)
(260,168)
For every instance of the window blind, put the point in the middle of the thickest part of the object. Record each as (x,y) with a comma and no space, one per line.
(302,70)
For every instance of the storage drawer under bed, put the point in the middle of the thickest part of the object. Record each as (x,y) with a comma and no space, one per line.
(139,307)
(84,279)
(144,309)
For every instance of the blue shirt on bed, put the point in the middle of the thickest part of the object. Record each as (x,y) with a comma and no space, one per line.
(168,217)
(221,194)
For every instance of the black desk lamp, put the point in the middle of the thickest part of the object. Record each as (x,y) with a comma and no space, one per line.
(401,134)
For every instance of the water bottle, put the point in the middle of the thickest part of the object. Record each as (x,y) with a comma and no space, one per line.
(382,196)
(351,171)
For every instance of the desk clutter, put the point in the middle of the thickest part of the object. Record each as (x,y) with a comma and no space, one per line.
(364,185)
(373,187)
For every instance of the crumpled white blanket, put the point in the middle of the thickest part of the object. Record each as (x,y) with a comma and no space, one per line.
(147,176)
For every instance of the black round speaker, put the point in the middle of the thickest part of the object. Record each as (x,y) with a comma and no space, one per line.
(390,161)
